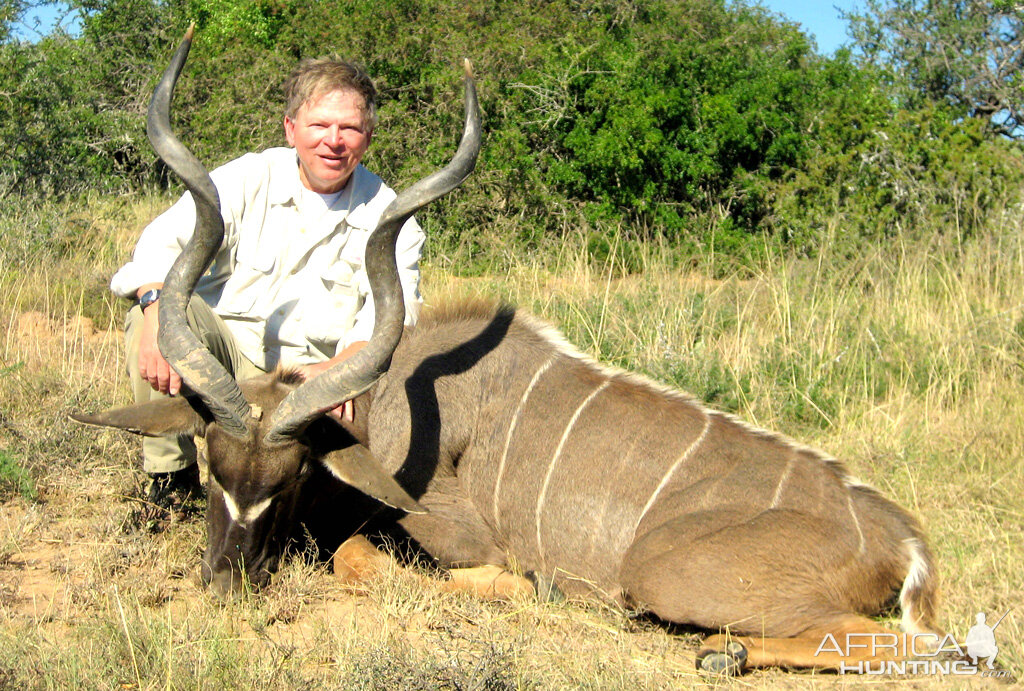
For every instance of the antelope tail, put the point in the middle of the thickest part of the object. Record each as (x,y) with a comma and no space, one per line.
(920,593)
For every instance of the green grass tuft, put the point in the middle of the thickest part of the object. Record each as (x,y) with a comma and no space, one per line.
(15,478)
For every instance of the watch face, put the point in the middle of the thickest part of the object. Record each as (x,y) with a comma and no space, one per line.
(148,298)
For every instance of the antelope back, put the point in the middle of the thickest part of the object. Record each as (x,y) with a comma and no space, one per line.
(569,462)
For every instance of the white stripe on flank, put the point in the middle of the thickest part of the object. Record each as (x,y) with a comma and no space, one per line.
(508,437)
(672,469)
(554,460)
(856,521)
(782,481)
(250,514)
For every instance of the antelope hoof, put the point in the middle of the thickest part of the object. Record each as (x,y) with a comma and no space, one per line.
(728,663)
(545,587)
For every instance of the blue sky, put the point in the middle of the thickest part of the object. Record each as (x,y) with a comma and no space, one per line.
(43,16)
(820,18)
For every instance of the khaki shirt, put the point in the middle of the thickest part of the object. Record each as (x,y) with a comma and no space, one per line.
(289,279)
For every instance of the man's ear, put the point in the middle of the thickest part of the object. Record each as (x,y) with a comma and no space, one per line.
(162,417)
(289,130)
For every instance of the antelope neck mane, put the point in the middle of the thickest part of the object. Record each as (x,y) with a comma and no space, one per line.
(464,310)
(287,375)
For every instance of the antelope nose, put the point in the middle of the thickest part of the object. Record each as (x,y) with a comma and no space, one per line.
(224,586)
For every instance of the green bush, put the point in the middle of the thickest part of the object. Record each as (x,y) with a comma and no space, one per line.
(711,125)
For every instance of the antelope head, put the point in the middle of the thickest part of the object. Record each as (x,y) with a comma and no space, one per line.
(263,435)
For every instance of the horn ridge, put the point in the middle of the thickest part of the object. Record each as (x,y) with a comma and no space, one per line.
(196,366)
(355,375)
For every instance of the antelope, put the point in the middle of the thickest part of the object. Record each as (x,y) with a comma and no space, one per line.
(501,447)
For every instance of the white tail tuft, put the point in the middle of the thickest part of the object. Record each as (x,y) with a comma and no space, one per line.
(915,586)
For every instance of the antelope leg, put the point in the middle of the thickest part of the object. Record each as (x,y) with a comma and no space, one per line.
(490,583)
(811,649)
(358,560)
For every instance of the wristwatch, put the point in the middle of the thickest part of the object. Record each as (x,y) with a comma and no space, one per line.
(148,298)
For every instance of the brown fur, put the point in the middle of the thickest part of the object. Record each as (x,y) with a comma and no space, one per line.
(618,487)
(529,455)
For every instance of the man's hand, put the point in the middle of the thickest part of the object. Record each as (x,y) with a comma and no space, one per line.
(152,365)
(347,410)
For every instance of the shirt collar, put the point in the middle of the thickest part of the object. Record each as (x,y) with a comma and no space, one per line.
(284,177)
(366,199)
(286,187)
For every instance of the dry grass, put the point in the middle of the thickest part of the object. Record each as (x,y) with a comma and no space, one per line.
(907,364)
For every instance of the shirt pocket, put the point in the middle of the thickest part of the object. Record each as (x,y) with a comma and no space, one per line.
(331,313)
(340,275)
(259,256)
(252,278)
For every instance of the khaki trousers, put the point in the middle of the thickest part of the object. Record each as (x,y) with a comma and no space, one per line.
(168,454)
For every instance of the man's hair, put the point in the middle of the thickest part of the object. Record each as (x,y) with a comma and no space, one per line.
(315,78)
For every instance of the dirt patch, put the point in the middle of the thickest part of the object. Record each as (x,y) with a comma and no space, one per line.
(36,326)
(70,346)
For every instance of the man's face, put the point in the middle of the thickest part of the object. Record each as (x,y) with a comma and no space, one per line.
(330,136)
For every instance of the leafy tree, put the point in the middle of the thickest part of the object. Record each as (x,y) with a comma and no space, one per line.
(967,54)
(701,122)
(695,107)
(230,22)
(74,118)
(10,13)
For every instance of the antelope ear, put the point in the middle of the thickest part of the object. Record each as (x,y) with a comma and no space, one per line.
(356,466)
(158,418)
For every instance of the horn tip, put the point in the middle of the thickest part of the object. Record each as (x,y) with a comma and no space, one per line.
(468,67)
(191,30)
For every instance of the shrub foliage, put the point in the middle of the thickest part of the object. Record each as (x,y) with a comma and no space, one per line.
(703,123)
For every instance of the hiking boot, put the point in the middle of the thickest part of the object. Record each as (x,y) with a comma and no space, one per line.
(168,490)
(172,497)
